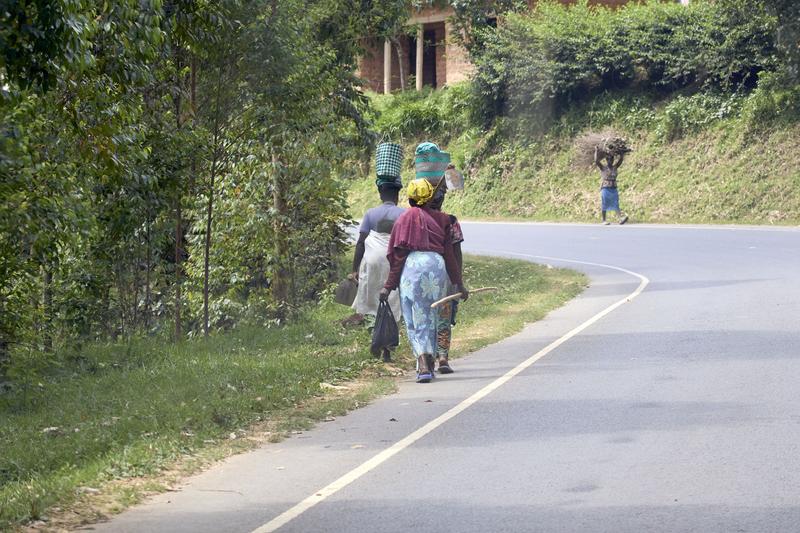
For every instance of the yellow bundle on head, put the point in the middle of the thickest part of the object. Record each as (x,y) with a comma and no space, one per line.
(420,190)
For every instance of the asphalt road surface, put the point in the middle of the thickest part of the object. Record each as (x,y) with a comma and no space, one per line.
(665,398)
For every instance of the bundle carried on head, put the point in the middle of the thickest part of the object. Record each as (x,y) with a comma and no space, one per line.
(607,143)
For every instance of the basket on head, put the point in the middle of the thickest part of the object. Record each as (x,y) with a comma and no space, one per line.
(430,162)
(389,160)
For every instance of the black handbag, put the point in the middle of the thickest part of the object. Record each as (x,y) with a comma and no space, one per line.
(385,334)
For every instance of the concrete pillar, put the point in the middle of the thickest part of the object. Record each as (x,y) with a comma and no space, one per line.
(387,67)
(420,52)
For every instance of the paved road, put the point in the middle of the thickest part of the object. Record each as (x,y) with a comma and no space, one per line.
(676,410)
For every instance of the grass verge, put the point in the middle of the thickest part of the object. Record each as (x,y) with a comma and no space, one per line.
(129,420)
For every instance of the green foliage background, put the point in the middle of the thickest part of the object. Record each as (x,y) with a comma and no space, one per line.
(536,64)
(171,167)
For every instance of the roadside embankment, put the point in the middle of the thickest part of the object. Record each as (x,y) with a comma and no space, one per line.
(695,159)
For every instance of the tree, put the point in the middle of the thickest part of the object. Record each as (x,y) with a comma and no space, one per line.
(63,72)
(787,35)
(41,39)
(135,136)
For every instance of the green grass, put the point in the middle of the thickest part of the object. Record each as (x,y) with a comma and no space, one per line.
(128,412)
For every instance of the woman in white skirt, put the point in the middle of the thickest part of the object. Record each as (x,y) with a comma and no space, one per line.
(370,265)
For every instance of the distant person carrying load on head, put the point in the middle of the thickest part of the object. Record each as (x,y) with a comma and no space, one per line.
(370,265)
(609,195)
(422,258)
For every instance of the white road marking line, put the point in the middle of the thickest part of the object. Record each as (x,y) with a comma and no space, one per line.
(633,225)
(320,495)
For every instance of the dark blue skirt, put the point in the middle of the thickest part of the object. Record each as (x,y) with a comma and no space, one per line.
(609,199)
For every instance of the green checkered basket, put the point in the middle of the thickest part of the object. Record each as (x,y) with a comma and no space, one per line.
(389,160)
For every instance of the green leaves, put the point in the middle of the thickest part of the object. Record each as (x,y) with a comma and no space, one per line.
(537,63)
(135,131)
(38,39)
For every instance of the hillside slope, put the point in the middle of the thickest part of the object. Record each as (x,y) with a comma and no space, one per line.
(696,159)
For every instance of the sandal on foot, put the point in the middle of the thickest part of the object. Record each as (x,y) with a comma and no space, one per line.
(424,368)
(444,367)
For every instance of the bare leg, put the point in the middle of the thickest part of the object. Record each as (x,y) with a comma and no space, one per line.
(424,368)
(443,336)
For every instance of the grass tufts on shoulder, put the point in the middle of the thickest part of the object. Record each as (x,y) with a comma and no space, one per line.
(133,419)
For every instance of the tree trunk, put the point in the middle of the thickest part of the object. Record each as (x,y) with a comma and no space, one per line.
(207,247)
(137,285)
(193,105)
(4,359)
(178,257)
(5,333)
(47,303)
(215,158)
(193,87)
(280,281)
(109,324)
(122,304)
(399,49)
(148,266)
(178,211)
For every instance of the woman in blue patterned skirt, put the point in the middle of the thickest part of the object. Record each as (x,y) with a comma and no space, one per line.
(421,259)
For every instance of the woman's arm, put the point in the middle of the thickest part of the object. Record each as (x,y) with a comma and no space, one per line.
(397,260)
(451,264)
(460,260)
(359,254)
(597,159)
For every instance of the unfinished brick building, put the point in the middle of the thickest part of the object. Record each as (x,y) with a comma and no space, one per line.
(430,58)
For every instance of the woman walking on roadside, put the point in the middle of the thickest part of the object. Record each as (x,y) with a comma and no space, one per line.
(422,259)
(609,196)
(370,266)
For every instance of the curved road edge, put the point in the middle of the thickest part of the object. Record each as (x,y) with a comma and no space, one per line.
(353,475)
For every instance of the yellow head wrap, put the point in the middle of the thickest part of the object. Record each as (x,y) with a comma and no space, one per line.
(420,190)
